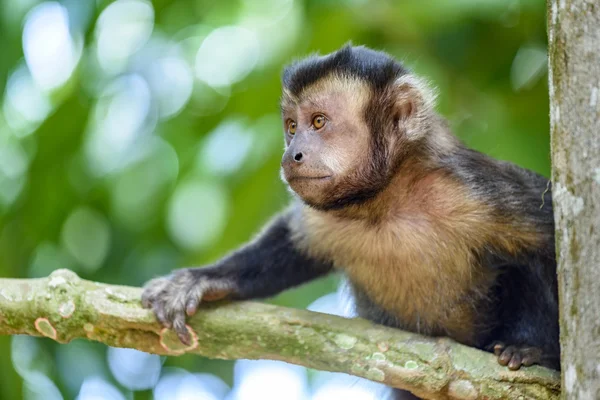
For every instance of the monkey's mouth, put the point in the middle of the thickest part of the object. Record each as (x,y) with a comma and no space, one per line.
(308,178)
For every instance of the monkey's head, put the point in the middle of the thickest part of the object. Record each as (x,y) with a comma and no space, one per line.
(350,118)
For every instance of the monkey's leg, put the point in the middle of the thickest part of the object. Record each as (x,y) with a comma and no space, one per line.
(264,267)
(528,330)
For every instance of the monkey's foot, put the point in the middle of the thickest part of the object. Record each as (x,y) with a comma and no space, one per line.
(516,356)
(179,294)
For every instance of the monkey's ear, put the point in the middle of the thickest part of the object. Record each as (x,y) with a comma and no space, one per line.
(414,103)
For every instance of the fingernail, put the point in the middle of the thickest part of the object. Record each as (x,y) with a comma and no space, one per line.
(185,339)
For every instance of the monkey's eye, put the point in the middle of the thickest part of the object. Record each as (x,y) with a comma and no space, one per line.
(291,127)
(319,121)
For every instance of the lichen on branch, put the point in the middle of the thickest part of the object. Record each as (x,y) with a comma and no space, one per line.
(64,307)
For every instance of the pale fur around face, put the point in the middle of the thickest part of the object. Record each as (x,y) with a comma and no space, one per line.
(345,137)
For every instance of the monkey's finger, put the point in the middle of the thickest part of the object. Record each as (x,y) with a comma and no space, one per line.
(192,305)
(515,362)
(182,332)
(161,316)
(528,361)
(499,348)
(506,355)
(185,338)
(147,300)
(531,356)
(152,290)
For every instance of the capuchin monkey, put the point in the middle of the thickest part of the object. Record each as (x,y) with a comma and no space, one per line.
(433,237)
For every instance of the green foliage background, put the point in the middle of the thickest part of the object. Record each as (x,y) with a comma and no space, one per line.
(487,58)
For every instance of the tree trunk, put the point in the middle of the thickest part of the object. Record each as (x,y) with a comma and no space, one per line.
(574,78)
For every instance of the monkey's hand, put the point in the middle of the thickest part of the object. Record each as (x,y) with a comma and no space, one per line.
(174,296)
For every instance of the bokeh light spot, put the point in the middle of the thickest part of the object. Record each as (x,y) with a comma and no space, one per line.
(528,66)
(33,363)
(25,106)
(121,116)
(10,189)
(330,385)
(38,386)
(49,49)
(134,369)
(269,380)
(171,81)
(207,100)
(122,29)
(177,384)
(197,214)
(13,160)
(24,353)
(226,148)
(86,236)
(137,191)
(46,258)
(227,55)
(96,388)
(275,23)
(76,361)
(14,163)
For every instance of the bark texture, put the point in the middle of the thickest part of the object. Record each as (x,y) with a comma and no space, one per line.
(574,66)
(64,307)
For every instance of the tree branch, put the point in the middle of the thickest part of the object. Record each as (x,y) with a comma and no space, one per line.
(64,307)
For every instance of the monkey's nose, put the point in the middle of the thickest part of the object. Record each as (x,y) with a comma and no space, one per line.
(294,159)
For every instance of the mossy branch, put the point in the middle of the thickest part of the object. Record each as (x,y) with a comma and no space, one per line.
(64,307)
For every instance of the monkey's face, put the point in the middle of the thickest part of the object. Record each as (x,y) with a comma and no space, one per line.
(327,139)
(351,118)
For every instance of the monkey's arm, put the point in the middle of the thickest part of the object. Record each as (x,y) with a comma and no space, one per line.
(264,267)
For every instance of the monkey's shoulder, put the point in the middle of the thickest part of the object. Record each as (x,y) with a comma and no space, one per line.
(518,199)
(505,185)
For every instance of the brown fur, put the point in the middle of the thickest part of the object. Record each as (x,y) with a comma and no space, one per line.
(415,258)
